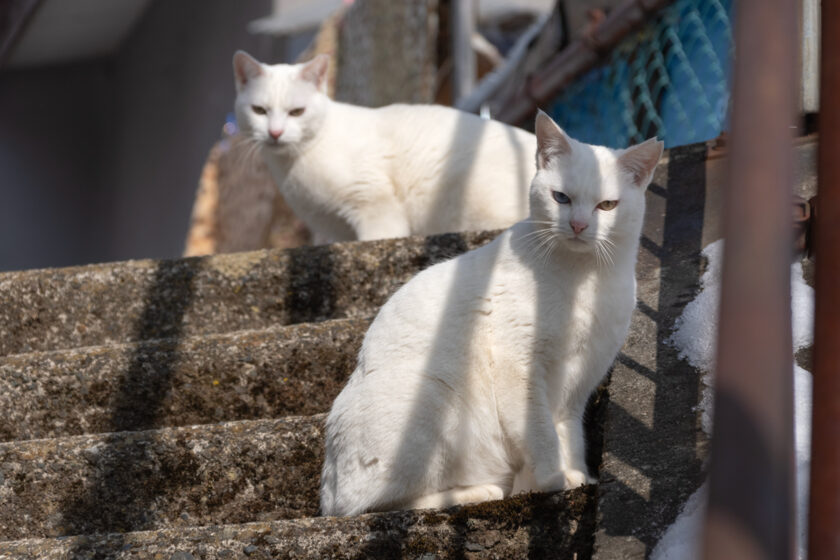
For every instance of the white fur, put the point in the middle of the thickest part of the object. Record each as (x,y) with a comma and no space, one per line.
(357,173)
(478,370)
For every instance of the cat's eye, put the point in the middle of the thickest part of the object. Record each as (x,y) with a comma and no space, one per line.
(607,205)
(297,112)
(560,198)
(258,110)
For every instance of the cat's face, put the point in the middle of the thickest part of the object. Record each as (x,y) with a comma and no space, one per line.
(589,197)
(282,105)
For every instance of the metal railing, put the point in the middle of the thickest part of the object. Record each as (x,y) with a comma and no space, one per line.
(751,499)
(824,513)
(751,473)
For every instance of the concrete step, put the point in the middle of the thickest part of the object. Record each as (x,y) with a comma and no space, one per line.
(525,526)
(141,300)
(280,371)
(174,478)
(230,472)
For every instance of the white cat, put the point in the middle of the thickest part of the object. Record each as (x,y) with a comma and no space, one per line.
(356,173)
(479,368)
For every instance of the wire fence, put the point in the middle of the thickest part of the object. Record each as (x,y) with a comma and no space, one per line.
(670,79)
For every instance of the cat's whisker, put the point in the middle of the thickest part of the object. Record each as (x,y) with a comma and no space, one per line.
(536,243)
(600,257)
(605,248)
(545,247)
(610,247)
(548,252)
(249,154)
(537,233)
(533,245)
(602,254)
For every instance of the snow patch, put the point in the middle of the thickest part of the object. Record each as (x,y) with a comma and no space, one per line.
(695,337)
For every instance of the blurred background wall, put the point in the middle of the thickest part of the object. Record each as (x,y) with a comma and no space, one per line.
(100,152)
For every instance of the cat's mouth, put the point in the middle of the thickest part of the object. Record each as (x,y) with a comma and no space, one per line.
(273,144)
(577,243)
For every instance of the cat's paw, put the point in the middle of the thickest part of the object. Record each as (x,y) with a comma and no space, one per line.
(575,478)
(552,483)
(492,492)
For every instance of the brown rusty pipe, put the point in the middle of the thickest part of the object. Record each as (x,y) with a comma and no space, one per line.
(824,510)
(577,58)
(750,514)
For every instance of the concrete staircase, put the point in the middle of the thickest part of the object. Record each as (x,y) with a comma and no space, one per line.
(174,409)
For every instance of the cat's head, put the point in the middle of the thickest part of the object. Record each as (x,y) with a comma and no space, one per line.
(589,197)
(280,105)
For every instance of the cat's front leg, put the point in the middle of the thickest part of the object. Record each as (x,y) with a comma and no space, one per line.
(542,442)
(381,221)
(382,226)
(573,451)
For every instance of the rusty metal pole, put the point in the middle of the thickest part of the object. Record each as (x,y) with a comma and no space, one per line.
(751,491)
(824,511)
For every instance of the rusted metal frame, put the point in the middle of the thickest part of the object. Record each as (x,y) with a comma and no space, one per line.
(751,494)
(579,57)
(803,210)
(824,510)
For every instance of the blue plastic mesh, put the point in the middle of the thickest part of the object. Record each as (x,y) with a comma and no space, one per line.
(670,79)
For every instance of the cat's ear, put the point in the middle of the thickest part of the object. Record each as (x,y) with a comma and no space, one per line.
(640,160)
(551,140)
(315,71)
(245,67)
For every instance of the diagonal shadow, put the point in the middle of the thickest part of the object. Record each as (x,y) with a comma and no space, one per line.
(665,453)
(119,496)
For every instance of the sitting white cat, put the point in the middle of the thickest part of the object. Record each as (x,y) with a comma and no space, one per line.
(357,173)
(477,371)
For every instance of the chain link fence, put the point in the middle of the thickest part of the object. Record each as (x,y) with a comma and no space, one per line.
(670,79)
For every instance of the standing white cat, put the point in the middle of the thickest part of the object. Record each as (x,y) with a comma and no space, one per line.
(357,173)
(478,370)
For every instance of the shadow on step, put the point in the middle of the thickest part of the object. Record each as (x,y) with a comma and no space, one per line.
(310,294)
(653,444)
(141,393)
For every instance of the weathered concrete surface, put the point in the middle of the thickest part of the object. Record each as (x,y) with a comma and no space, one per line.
(654,447)
(526,526)
(142,300)
(281,371)
(176,477)
(235,473)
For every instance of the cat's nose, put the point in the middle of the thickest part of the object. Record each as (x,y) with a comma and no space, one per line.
(577,226)
(274,133)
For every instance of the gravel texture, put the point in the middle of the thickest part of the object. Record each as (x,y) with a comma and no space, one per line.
(129,301)
(294,370)
(526,526)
